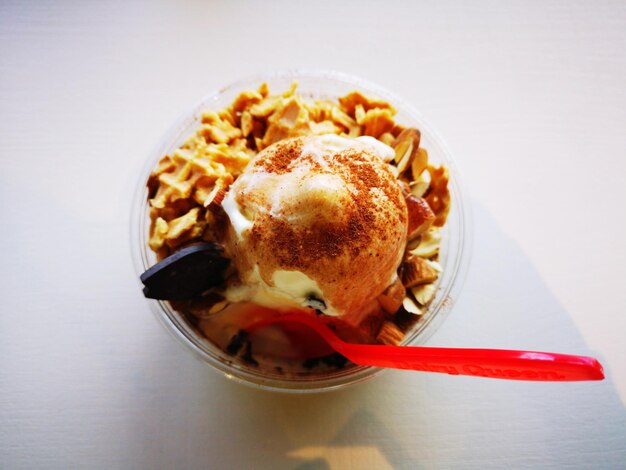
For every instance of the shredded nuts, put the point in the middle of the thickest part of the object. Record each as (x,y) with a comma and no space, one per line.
(391,299)
(390,334)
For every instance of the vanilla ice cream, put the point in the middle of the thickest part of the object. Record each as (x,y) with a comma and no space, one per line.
(316,222)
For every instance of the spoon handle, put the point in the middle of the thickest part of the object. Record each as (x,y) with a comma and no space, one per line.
(491,363)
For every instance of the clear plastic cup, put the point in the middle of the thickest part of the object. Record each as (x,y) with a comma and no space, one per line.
(454,251)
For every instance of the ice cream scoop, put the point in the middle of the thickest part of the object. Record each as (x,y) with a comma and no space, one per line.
(316,222)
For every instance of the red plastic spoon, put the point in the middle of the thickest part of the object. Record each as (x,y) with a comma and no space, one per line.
(491,363)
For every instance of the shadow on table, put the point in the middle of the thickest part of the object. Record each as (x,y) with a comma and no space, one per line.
(193,418)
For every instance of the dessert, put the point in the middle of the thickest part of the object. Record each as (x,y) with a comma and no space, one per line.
(330,208)
(308,217)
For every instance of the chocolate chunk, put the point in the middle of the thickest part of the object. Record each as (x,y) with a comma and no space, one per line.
(335,360)
(315,303)
(247,354)
(310,362)
(237,342)
(186,274)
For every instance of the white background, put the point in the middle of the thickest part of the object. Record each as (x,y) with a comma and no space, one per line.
(530,97)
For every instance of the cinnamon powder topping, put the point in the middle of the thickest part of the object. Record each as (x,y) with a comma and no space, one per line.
(331,214)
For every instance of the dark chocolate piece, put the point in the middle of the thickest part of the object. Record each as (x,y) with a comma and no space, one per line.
(315,303)
(247,354)
(186,274)
(237,342)
(334,360)
(310,362)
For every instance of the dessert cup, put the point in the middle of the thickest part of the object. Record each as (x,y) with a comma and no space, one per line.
(454,251)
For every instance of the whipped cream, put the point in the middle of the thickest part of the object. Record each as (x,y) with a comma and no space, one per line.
(290,289)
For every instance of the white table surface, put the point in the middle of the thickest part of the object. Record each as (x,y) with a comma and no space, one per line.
(531,98)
